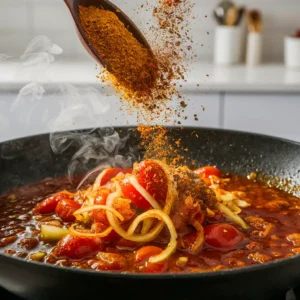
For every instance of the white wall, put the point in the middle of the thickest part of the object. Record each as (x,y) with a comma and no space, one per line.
(20,20)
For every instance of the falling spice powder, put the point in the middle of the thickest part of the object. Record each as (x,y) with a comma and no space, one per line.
(147,80)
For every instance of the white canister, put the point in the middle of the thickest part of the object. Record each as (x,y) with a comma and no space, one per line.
(292,52)
(228,45)
(254,48)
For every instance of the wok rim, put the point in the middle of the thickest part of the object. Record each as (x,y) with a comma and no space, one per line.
(164,276)
(243,132)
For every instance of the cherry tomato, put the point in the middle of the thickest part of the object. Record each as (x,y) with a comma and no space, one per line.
(131,193)
(208,171)
(78,247)
(153,179)
(100,215)
(65,209)
(113,172)
(48,206)
(223,236)
(142,257)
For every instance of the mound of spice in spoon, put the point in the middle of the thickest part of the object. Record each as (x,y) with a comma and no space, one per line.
(133,65)
(135,73)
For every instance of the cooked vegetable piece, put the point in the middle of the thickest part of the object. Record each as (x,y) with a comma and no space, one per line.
(52,233)
(78,247)
(153,179)
(39,256)
(111,173)
(142,257)
(65,209)
(223,236)
(48,206)
(131,193)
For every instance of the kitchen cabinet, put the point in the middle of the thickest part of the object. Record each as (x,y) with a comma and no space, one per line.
(272,114)
(70,112)
(268,113)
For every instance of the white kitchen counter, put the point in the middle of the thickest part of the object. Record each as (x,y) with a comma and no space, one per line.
(265,78)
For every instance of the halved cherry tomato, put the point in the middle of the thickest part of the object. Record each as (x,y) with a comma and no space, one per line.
(153,179)
(78,247)
(223,236)
(48,206)
(65,209)
(208,171)
(113,172)
(142,257)
(131,193)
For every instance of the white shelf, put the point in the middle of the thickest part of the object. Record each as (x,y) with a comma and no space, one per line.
(265,78)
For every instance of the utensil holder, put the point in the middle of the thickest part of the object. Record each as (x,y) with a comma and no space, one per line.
(254,49)
(228,45)
(292,52)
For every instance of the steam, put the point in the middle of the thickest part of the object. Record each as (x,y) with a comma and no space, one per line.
(79,106)
(28,95)
(39,51)
(4,56)
(72,108)
(97,148)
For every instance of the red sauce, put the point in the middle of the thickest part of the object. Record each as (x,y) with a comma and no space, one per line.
(273,218)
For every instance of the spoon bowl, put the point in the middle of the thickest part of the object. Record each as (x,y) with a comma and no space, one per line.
(73,6)
(254,20)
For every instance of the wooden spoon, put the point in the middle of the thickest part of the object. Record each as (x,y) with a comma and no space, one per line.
(232,15)
(73,6)
(254,20)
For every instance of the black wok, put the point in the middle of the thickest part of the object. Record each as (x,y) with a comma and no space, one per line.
(31,159)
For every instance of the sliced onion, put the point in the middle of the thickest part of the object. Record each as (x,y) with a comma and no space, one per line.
(98,207)
(235,218)
(160,215)
(73,231)
(140,238)
(173,242)
(241,203)
(210,213)
(147,224)
(171,192)
(234,208)
(96,184)
(143,192)
(227,197)
(97,169)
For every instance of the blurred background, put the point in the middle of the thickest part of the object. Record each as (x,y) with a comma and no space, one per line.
(259,94)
